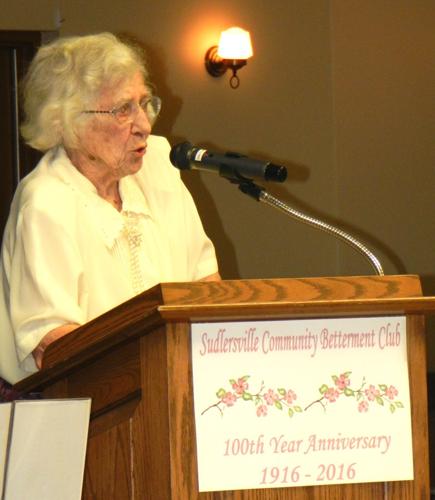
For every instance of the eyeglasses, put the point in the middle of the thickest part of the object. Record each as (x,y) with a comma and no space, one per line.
(126,112)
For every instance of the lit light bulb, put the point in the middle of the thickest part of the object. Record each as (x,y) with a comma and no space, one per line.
(235,43)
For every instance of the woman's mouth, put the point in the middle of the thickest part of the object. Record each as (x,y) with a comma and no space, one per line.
(140,151)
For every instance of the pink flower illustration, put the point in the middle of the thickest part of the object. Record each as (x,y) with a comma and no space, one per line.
(229,398)
(342,381)
(290,396)
(240,386)
(391,392)
(282,399)
(363,406)
(365,395)
(331,394)
(372,393)
(262,411)
(271,396)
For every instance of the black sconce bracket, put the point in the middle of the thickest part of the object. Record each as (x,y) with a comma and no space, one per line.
(216,66)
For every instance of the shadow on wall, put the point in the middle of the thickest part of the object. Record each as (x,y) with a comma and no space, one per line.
(155,60)
(299,173)
(212,222)
(213,225)
(374,244)
(156,65)
(171,108)
(428,284)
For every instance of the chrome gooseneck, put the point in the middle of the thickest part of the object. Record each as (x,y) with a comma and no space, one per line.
(260,194)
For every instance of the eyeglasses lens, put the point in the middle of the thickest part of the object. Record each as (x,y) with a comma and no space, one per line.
(150,106)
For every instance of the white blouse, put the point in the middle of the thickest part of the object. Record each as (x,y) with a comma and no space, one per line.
(68,255)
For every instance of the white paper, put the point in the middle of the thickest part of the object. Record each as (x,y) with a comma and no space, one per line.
(5,415)
(47,450)
(301,402)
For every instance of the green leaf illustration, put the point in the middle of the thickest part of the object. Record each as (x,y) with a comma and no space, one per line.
(283,402)
(221,393)
(278,405)
(323,389)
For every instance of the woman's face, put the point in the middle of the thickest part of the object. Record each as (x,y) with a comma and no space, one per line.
(117,147)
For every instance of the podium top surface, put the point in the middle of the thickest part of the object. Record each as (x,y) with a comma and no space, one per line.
(294,297)
(231,300)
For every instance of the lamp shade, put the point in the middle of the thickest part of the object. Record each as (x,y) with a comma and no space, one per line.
(235,43)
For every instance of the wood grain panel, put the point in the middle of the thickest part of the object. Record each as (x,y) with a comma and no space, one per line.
(151,424)
(419,488)
(137,368)
(290,290)
(183,444)
(294,298)
(110,378)
(182,438)
(108,464)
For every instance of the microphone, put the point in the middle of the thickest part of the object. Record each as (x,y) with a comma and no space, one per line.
(233,166)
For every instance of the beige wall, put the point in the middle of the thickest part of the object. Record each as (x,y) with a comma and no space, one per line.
(384,93)
(341,92)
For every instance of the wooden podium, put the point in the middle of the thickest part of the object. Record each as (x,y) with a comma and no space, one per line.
(135,364)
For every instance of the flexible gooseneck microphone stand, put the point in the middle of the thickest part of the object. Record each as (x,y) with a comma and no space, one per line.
(248,187)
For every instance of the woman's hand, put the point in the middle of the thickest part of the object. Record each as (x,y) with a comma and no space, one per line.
(51,336)
(212,277)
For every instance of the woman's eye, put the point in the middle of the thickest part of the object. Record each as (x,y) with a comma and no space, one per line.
(124,109)
(144,103)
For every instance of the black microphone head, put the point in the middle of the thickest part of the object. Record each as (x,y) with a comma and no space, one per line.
(275,173)
(180,155)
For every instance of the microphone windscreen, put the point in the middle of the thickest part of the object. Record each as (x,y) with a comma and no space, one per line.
(275,173)
(179,155)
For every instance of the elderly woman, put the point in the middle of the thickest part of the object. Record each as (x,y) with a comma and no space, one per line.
(104,215)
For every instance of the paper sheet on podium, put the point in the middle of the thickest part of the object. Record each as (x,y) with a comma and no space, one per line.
(5,414)
(42,449)
(303,402)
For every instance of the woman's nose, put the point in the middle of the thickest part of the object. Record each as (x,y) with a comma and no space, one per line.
(141,123)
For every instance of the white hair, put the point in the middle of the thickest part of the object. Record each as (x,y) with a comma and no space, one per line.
(66,76)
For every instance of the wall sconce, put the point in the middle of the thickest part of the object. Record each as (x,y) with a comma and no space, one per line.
(232,53)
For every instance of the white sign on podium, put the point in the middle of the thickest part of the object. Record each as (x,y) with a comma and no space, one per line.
(301,402)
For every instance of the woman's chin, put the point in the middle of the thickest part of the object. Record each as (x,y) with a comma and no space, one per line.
(133,166)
